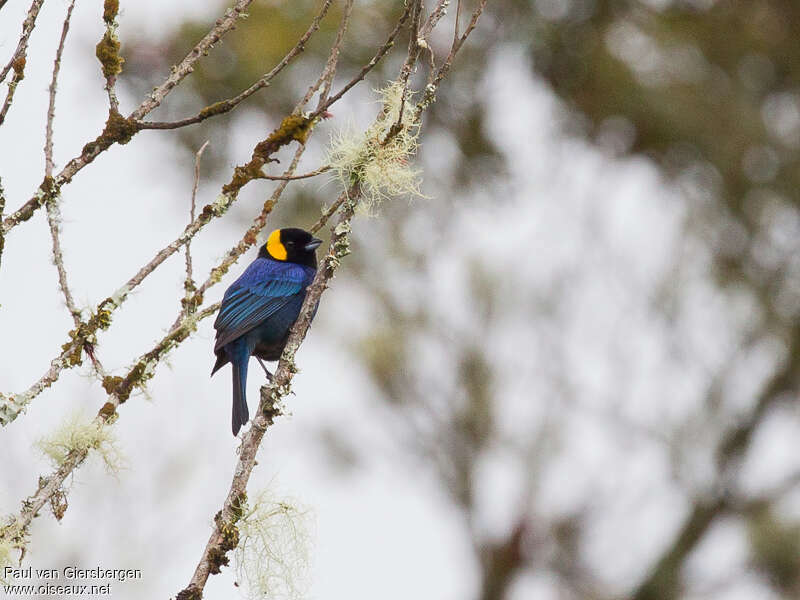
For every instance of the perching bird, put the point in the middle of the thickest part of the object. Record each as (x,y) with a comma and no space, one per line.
(259,308)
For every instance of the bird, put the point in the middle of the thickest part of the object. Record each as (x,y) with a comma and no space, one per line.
(259,308)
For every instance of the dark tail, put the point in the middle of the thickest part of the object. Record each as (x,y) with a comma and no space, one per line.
(240,413)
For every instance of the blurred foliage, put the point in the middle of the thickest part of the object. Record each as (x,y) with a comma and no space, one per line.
(710,91)
(775,550)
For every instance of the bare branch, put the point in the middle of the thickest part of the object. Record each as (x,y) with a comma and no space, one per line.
(439,11)
(433,83)
(188,284)
(17,62)
(54,220)
(455,28)
(53,211)
(51,109)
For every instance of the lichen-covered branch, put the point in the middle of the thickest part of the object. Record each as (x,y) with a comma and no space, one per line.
(107,52)
(225,535)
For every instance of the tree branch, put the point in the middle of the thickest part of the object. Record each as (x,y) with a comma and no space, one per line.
(663,581)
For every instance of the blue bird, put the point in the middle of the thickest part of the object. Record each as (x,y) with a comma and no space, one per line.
(259,308)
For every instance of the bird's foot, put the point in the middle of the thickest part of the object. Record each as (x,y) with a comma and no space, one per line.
(266,371)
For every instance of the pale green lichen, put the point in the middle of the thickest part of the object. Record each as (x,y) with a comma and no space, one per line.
(272,555)
(76,433)
(378,159)
(6,558)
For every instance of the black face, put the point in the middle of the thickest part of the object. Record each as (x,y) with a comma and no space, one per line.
(292,245)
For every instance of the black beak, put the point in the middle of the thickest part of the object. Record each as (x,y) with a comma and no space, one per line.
(313,244)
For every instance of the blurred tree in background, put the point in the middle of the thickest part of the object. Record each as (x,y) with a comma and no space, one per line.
(486,395)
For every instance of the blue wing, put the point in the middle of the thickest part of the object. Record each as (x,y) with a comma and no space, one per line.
(263,290)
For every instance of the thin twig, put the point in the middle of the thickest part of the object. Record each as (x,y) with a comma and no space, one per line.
(12,88)
(319,171)
(188,284)
(54,220)
(328,212)
(53,211)
(326,79)
(439,11)
(51,109)
(433,83)
(367,67)
(458,16)
(225,106)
